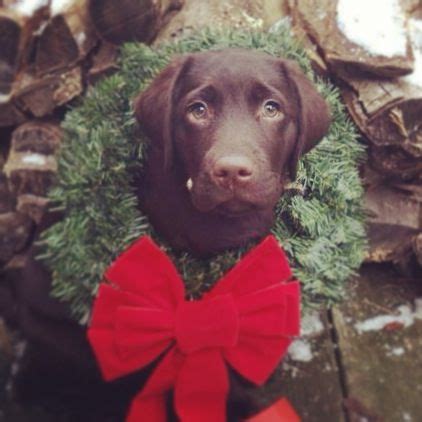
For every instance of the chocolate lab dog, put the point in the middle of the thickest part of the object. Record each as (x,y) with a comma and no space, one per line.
(226,130)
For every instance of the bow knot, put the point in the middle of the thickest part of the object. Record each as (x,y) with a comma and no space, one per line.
(207,324)
(246,321)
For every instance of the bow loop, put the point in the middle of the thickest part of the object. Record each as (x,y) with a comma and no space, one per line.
(263,266)
(271,311)
(145,270)
(142,334)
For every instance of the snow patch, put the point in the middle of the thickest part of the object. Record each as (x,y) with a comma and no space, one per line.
(395,351)
(300,350)
(35,159)
(28,7)
(4,98)
(311,324)
(80,39)
(407,417)
(405,316)
(378,26)
(59,6)
(415,31)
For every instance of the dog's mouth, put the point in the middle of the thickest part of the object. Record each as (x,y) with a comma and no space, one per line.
(235,208)
(207,197)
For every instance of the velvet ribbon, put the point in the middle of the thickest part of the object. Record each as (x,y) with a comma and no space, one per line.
(246,321)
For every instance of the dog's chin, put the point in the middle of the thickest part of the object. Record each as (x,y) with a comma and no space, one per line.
(261,195)
(209,199)
(236,208)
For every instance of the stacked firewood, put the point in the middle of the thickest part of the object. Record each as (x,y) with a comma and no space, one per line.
(375,56)
(50,52)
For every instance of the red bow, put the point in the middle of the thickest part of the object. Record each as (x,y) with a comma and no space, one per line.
(246,320)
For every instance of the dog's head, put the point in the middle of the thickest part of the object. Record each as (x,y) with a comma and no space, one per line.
(234,124)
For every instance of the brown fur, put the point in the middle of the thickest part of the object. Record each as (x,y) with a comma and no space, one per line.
(223,212)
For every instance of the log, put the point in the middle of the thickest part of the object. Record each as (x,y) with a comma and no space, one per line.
(386,110)
(388,113)
(18,26)
(15,231)
(395,164)
(379,332)
(9,40)
(395,220)
(7,200)
(41,96)
(417,247)
(56,47)
(104,62)
(33,206)
(414,191)
(66,38)
(10,114)
(344,56)
(198,14)
(31,164)
(319,66)
(42,137)
(42,45)
(412,8)
(392,244)
(129,20)
(75,14)
(30,172)
(6,347)
(388,205)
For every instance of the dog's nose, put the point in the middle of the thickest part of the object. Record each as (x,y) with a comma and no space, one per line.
(232,170)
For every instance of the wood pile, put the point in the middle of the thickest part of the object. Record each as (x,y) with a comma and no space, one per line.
(53,50)
(382,91)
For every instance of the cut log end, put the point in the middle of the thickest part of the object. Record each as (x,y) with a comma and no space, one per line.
(15,231)
(31,164)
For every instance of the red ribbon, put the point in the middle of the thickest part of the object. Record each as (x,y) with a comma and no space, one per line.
(281,411)
(246,320)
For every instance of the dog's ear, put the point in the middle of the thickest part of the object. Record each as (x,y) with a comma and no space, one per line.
(154,106)
(313,113)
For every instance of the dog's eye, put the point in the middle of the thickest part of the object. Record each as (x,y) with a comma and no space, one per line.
(272,109)
(198,110)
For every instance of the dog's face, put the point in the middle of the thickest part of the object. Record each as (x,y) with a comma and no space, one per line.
(234,123)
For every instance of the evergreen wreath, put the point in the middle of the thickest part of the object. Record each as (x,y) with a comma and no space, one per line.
(319,219)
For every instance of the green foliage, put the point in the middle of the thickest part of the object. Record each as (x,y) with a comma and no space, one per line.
(319,220)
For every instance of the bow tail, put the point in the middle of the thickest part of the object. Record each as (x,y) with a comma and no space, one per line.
(202,387)
(150,403)
(152,408)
